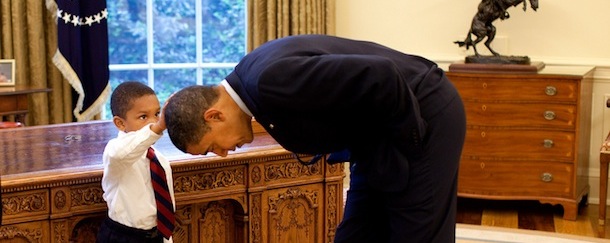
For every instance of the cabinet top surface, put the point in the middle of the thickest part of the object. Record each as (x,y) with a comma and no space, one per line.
(21,90)
(78,147)
(551,70)
(567,70)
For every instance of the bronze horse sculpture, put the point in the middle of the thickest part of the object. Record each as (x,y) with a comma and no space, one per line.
(488,11)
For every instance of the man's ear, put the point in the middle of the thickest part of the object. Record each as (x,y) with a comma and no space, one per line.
(213,115)
(119,123)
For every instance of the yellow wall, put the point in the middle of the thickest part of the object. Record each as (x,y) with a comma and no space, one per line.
(561,31)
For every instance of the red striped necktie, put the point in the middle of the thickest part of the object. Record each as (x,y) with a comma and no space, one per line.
(165,207)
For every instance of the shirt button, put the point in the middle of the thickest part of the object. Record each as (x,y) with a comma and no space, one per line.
(271,126)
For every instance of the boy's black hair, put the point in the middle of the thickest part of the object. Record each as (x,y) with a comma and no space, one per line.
(124,94)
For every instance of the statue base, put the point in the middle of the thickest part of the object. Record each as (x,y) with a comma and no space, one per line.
(530,68)
(524,60)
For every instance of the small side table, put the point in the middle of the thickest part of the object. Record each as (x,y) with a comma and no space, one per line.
(604,159)
(14,101)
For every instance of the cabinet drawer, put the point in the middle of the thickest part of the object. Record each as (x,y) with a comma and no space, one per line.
(515,178)
(521,115)
(516,89)
(519,145)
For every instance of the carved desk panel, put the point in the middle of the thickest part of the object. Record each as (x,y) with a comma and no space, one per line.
(51,189)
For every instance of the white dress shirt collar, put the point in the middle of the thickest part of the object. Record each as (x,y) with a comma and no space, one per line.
(236,97)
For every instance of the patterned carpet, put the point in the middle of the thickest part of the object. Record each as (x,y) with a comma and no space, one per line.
(466,233)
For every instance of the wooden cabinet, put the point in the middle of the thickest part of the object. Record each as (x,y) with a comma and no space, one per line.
(51,189)
(14,102)
(527,136)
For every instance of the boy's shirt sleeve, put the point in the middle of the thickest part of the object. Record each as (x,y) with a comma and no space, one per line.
(129,147)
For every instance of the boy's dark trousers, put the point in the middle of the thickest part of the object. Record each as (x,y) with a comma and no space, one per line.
(113,232)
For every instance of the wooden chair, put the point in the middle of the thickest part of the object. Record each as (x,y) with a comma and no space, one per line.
(604,159)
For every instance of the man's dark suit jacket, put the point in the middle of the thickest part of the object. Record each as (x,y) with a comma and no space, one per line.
(320,94)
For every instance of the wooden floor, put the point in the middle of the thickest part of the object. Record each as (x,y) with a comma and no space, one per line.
(531,215)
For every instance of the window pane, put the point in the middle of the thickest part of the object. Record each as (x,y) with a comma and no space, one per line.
(127,31)
(215,75)
(174,31)
(118,77)
(224,30)
(170,81)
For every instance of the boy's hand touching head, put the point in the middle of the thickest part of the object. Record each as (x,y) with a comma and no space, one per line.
(160,126)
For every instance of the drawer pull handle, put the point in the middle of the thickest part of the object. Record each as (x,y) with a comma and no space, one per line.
(549,115)
(550,90)
(546,177)
(548,143)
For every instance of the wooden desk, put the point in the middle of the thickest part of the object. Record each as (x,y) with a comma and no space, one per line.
(51,189)
(14,101)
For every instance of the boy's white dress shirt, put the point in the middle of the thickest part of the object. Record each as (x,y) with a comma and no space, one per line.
(126,181)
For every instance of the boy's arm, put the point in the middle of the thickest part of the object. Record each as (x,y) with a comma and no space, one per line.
(131,145)
(128,147)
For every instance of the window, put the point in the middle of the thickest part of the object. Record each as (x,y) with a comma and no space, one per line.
(172,44)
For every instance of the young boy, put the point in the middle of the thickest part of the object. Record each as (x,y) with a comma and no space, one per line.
(128,187)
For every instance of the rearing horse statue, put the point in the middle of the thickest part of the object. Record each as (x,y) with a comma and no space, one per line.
(488,11)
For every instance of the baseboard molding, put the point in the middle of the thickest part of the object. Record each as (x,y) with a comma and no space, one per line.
(602,74)
(594,185)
